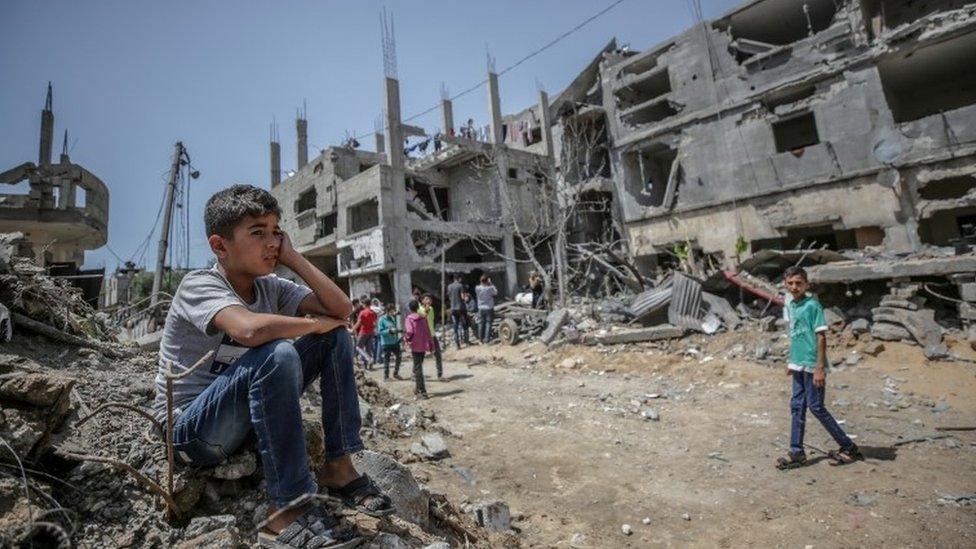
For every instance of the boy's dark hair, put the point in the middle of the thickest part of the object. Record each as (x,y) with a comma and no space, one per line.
(228,207)
(390,308)
(796,271)
(413,305)
(484,279)
(355,301)
(428,295)
(458,278)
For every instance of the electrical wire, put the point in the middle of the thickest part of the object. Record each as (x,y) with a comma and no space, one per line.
(525,58)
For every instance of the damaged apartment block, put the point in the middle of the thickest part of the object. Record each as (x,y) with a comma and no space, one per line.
(840,124)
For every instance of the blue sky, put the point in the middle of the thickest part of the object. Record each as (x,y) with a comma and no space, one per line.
(131,78)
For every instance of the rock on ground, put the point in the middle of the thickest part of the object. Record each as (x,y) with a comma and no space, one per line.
(398,482)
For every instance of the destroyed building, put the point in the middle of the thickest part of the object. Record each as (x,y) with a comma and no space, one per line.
(387,222)
(63,212)
(836,123)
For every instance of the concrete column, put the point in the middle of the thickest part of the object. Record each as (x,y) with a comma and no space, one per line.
(501,160)
(397,234)
(275,164)
(546,124)
(301,126)
(47,130)
(495,109)
(447,112)
(379,142)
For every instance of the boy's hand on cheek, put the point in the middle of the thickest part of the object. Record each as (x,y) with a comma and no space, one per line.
(286,252)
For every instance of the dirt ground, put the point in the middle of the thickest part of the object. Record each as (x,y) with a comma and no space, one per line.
(562,437)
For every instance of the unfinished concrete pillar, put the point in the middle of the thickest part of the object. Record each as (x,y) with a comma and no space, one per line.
(546,124)
(399,237)
(447,114)
(47,130)
(275,164)
(301,126)
(501,160)
(495,109)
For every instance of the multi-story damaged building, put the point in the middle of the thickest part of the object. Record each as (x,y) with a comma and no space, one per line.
(63,213)
(845,123)
(388,221)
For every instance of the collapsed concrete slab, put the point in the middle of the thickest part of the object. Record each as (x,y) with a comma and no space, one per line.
(654,333)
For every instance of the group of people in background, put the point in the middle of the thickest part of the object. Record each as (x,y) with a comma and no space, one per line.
(380,336)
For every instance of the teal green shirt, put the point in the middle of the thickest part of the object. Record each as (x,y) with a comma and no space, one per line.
(806,318)
(388,330)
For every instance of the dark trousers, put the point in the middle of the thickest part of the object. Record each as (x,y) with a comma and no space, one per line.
(806,396)
(437,358)
(259,393)
(459,318)
(394,351)
(418,373)
(485,317)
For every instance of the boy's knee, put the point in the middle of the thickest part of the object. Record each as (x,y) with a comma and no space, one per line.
(283,361)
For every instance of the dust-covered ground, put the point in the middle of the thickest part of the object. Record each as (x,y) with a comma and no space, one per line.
(568,439)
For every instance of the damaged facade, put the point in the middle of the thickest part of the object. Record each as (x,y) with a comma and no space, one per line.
(832,123)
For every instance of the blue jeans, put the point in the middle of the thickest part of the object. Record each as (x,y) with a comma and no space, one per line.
(459,318)
(260,391)
(806,396)
(485,316)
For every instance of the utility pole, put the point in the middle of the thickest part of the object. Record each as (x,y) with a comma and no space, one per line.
(174,174)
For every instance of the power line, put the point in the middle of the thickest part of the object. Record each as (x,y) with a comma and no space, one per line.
(525,58)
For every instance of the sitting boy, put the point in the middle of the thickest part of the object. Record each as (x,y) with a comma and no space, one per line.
(250,318)
(807,367)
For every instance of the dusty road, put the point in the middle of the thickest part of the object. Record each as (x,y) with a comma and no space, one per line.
(570,450)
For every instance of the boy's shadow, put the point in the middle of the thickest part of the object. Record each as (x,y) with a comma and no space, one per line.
(442,394)
(456,377)
(880,453)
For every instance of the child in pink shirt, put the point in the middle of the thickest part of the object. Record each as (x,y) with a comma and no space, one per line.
(419,339)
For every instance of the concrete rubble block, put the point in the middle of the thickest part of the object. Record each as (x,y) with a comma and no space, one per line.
(834,316)
(920,324)
(967,291)
(241,464)
(202,525)
(654,333)
(394,478)
(37,389)
(967,311)
(23,429)
(873,348)
(936,352)
(493,516)
(386,540)
(228,538)
(767,324)
(438,545)
(721,307)
(887,331)
(554,322)
(892,301)
(431,446)
(860,326)
(407,415)
(971,336)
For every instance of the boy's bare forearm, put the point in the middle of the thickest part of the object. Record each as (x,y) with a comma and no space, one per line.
(821,350)
(333,300)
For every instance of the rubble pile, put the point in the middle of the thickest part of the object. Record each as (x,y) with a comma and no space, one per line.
(83,464)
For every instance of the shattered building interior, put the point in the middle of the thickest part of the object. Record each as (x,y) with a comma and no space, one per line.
(781,123)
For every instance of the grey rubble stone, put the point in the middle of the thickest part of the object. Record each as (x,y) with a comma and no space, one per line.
(967,291)
(934,352)
(834,315)
(493,516)
(202,525)
(651,415)
(228,538)
(655,333)
(386,540)
(860,326)
(967,311)
(873,348)
(768,324)
(554,322)
(396,480)
(920,324)
(863,499)
(438,545)
(240,465)
(762,351)
(886,331)
(898,303)
(37,389)
(852,359)
(626,529)
(366,413)
(431,446)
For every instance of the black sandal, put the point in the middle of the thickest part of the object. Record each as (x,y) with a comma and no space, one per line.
(791,461)
(354,494)
(315,528)
(845,456)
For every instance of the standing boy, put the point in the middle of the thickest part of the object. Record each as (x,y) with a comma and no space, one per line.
(390,339)
(365,330)
(807,363)
(427,310)
(459,313)
(486,293)
(249,317)
(417,335)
